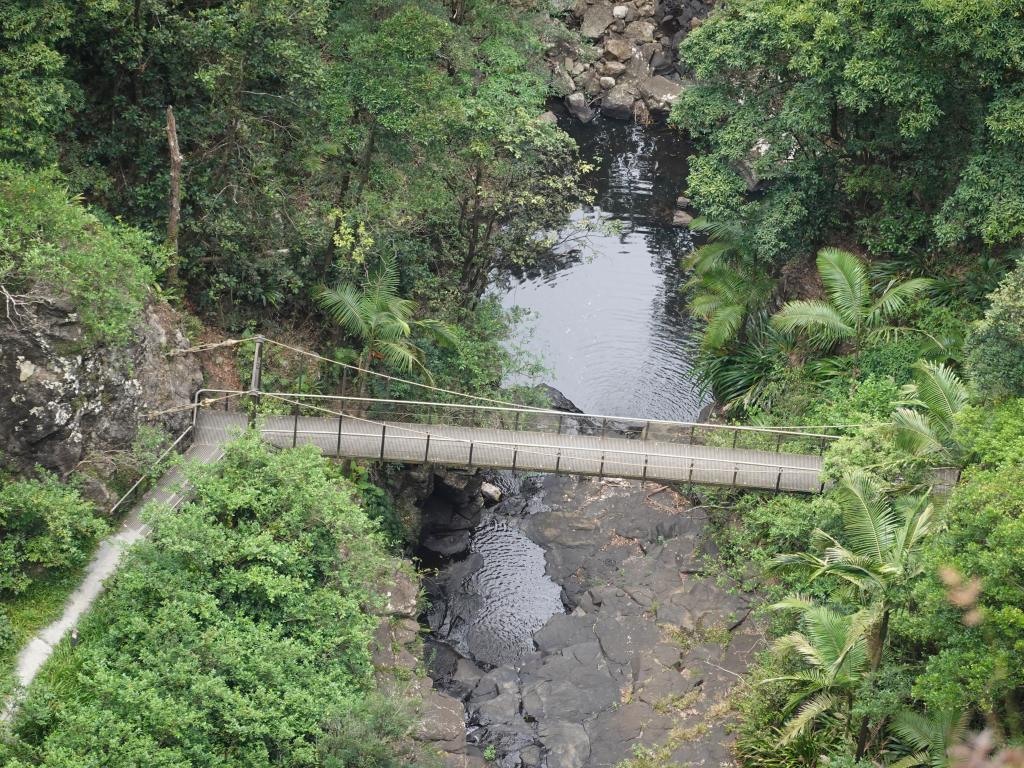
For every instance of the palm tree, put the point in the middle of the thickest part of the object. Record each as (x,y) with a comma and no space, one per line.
(724,292)
(833,651)
(882,556)
(382,320)
(855,311)
(925,741)
(926,423)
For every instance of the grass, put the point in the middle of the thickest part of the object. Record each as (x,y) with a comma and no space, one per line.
(32,610)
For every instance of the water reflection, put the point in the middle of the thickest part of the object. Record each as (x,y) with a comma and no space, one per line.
(611,322)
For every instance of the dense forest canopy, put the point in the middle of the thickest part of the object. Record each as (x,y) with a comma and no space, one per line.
(353,173)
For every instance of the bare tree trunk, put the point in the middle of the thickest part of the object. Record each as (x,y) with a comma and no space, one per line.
(174,214)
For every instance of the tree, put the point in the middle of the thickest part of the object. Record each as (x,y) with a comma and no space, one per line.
(995,346)
(832,649)
(926,741)
(855,311)
(725,290)
(896,121)
(880,560)
(926,423)
(381,320)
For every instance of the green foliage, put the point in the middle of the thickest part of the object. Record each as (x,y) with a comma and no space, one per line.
(855,310)
(993,435)
(975,663)
(34,90)
(46,526)
(832,650)
(995,346)
(52,246)
(925,425)
(231,636)
(381,320)
(7,638)
(725,288)
(895,120)
(927,740)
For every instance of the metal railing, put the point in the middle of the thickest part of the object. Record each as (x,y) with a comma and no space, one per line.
(143,484)
(539,420)
(360,428)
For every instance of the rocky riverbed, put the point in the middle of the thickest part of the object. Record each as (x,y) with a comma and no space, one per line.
(626,60)
(575,622)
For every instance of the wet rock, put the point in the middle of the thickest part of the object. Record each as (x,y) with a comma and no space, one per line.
(464,678)
(681,219)
(660,92)
(564,631)
(490,491)
(618,102)
(577,105)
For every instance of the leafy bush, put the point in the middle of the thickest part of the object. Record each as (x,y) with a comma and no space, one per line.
(44,525)
(6,632)
(231,635)
(994,435)
(995,347)
(975,663)
(51,245)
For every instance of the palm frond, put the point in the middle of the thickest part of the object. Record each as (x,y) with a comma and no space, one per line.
(809,712)
(439,330)
(822,323)
(915,434)
(895,298)
(940,390)
(344,304)
(868,518)
(399,355)
(845,277)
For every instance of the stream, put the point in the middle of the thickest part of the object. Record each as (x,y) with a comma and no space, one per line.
(612,326)
(547,608)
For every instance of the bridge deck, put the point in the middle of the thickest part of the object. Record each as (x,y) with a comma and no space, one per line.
(528,451)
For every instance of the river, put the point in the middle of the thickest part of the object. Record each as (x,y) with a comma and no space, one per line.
(612,326)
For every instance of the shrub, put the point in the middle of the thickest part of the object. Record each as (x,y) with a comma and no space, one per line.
(995,346)
(6,632)
(230,636)
(52,245)
(43,525)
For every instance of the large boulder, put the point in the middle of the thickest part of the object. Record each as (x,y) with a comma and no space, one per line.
(578,107)
(618,48)
(618,102)
(659,92)
(640,30)
(596,20)
(63,399)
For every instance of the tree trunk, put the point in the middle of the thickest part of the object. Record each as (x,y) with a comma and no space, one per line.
(875,662)
(174,213)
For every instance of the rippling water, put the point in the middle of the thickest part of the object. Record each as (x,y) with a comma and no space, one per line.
(612,326)
(497,598)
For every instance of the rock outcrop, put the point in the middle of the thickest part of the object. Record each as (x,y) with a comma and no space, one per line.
(63,400)
(628,64)
(646,651)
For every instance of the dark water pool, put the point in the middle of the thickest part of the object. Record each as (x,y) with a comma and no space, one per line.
(612,326)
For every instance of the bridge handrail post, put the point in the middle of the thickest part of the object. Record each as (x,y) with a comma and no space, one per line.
(735,436)
(383,437)
(645,431)
(558,460)
(778,443)
(469,463)
(515,457)
(295,426)
(561,417)
(426,453)
(600,471)
(341,419)
(778,480)
(256,379)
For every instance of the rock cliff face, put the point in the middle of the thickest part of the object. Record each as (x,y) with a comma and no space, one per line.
(628,66)
(62,400)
